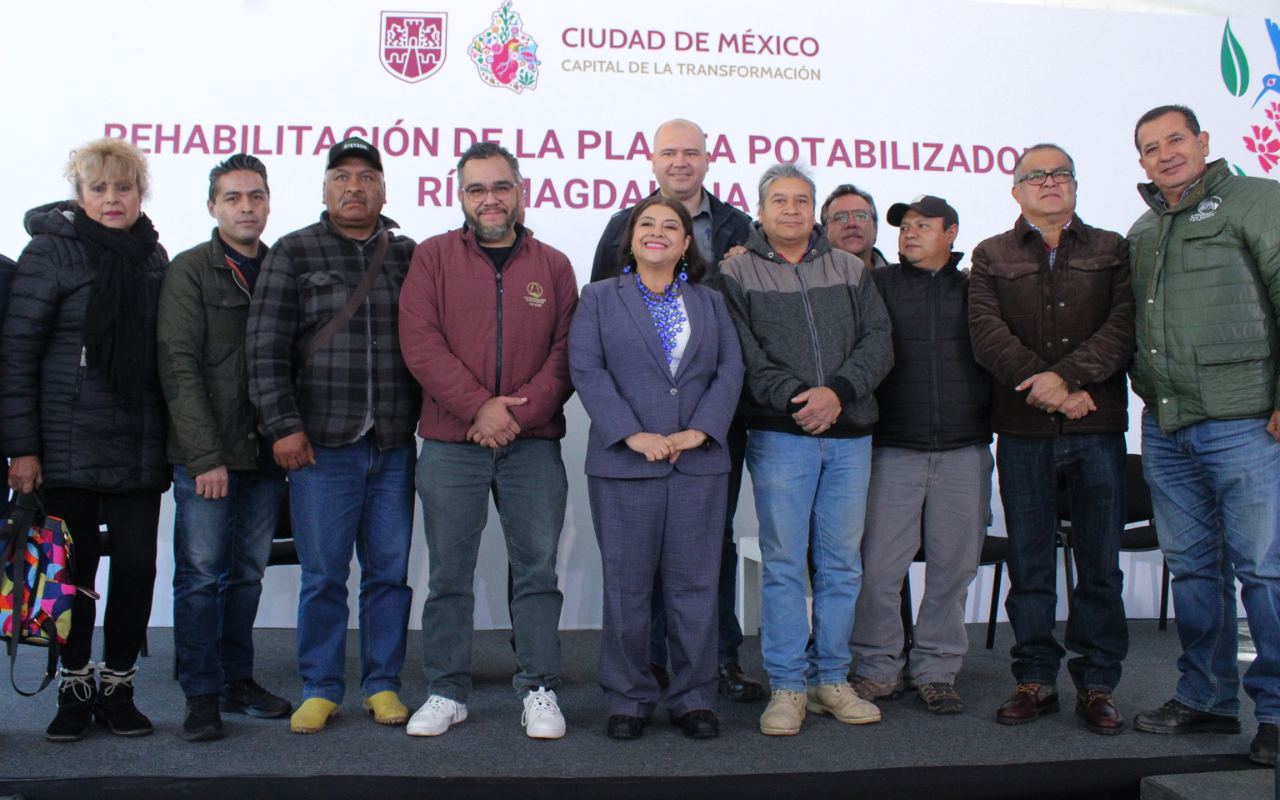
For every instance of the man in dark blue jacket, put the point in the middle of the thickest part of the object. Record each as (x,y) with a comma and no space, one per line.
(680,165)
(930,466)
(7,268)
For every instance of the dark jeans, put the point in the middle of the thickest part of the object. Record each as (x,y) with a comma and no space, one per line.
(527,481)
(220,550)
(1093,467)
(132,520)
(730,631)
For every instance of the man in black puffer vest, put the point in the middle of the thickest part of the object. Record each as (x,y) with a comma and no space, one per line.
(931,463)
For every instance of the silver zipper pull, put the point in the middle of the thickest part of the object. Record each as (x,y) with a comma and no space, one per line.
(84,356)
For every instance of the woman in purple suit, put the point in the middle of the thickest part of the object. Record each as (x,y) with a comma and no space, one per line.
(655,359)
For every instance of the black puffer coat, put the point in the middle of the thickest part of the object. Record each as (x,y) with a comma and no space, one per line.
(936,397)
(52,404)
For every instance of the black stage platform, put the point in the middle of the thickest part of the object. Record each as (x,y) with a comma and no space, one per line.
(911,754)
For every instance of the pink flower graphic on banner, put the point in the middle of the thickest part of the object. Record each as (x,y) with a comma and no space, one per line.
(1266,148)
(504,55)
(1273,113)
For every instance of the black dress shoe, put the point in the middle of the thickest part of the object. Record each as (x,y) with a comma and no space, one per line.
(735,685)
(701,723)
(622,726)
(660,674)
(1175,717)
(1263,748)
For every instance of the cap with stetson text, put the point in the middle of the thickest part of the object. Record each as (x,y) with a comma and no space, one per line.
(355,147)
(926,205)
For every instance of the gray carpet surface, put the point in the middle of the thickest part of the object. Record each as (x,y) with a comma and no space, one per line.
(492,744)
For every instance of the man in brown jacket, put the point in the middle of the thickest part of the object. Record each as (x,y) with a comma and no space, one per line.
(1051,316)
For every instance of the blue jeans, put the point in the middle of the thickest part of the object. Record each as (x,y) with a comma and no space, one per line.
(1215,489)
(362,496)
(729,637)
(809,492)
(220,550)
(1093,467)
(529,488)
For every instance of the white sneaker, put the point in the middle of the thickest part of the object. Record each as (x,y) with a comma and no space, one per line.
(435,716)
(542,718)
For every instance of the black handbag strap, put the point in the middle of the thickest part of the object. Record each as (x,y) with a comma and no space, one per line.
(331,328)
(51,667)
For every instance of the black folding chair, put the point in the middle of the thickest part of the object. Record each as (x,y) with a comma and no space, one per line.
(994,551)
(1138,539)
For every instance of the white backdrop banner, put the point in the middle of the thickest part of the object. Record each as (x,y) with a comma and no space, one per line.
(901,98)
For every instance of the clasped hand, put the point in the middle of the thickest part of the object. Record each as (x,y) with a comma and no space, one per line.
(1049,393)
(494,425)
(821,408)
(655,447)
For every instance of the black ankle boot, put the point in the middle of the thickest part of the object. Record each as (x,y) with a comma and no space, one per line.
(115,708)
(76,695)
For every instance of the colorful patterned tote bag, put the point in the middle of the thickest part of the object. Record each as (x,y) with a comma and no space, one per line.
(36,588)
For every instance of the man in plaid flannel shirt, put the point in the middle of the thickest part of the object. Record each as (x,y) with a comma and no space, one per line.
(342,421)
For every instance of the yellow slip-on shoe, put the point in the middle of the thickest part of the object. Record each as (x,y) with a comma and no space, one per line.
(312,715)
(386,709)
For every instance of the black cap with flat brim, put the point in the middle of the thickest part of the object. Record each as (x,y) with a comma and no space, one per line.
(926,205)
(355,147)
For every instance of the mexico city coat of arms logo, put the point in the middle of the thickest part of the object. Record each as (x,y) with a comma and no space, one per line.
(413,43)
(504,54)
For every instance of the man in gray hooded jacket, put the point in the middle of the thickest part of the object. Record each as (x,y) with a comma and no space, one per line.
(816,342)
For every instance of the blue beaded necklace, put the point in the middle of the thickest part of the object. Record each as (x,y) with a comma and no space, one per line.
(667,315)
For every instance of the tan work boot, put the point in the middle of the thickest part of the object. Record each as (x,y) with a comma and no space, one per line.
(784,714)
(839,700)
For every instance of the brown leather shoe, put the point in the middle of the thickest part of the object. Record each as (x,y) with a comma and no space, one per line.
(1030,701)
(1099,712)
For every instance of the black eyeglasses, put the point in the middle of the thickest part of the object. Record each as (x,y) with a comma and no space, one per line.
(1038,177)
(476,192)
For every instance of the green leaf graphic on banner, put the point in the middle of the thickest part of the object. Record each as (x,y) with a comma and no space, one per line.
(1239,171)
(1235,67)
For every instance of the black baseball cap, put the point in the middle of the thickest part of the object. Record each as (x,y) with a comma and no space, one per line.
(926,205)
(355,147)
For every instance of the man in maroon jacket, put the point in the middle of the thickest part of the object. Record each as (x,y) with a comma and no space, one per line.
(484,327)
